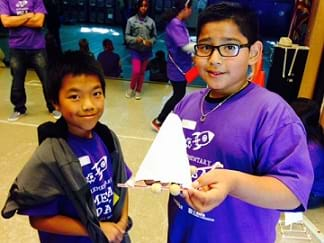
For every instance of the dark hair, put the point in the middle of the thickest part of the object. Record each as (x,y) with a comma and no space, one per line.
(160,54)
(242,16)
(107,44)
(139,3)
(176,9)
(84,45)
(74,63)
(309,112)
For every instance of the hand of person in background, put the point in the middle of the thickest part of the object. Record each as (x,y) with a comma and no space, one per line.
(147,43)
(139,39)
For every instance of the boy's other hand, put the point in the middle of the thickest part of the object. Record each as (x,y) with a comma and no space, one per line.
(114,232)
(209,190)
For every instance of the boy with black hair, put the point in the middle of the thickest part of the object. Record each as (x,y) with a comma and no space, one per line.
(253,132)
(69,186)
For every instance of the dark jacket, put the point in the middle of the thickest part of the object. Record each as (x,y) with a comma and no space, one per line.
(54,170)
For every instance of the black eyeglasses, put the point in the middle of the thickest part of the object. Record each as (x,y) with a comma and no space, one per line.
(225,50)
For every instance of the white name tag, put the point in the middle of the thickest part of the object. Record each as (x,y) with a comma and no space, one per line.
(84,160)
(189,124)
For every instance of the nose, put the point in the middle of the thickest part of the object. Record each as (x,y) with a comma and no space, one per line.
(87,104)
(215,58)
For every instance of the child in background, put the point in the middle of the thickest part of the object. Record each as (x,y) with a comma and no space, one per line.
(157,68)
(253,132)
(309,112)
(109,60)
(69,187)
(180,49)
(84,47)
(140,36)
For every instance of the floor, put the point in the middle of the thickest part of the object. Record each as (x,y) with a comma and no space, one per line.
(130,119)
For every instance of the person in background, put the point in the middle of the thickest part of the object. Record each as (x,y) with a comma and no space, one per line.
(180,49)
(78,164)
(157,67)
(109,60)
(53,50)
(53,21)
(252,132)
(140,37)
(309,112)
(25,20)
(84,47)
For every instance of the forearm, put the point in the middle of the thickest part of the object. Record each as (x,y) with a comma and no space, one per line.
(59,224)
(15,21)
(123,221)
(37,21)
(262,191)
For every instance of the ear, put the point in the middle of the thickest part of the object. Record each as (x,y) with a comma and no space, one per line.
(56,106)
(255,52)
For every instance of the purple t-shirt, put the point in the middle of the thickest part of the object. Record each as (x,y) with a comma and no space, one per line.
(24,37)
(96,166)
(177,36)
(255,132)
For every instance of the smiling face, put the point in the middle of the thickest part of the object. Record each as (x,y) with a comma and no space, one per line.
(225,75)
(81,102)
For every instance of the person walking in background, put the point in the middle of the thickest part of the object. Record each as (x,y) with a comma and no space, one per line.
(157,68)
(84,47)
(109,60)
(78,164)
(25,20)
(180,50)
(140,36)
(309,113)
(252,132)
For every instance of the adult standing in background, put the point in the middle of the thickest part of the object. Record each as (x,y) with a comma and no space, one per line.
(140,36)
(179,58)
(25,20)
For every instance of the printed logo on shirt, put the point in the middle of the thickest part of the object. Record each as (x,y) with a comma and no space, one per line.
(99,179)
(192,212)
(100,167)
(21,7)
(199,140)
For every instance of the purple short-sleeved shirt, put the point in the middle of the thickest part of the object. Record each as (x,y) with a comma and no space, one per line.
(176,37)
(255,132)
(24,37)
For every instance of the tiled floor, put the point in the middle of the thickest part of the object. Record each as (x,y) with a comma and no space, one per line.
(129,118)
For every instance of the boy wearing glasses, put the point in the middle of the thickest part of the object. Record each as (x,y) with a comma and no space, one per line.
(251,131)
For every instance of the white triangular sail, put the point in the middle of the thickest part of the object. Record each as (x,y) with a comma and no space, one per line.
(167,160)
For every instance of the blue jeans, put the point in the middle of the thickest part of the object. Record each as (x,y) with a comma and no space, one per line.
(20,60)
